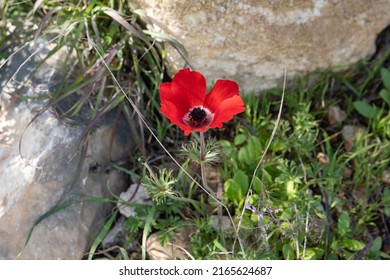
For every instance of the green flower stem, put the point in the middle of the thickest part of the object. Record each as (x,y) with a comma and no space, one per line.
(151,172)
(202,164)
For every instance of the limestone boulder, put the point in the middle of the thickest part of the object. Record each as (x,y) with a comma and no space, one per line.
(254,41)
(43,167)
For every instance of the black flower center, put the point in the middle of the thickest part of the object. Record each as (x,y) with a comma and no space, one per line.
(197,115)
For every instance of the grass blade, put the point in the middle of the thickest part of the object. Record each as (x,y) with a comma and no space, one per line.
(52,211)
(98,240)
(118,18)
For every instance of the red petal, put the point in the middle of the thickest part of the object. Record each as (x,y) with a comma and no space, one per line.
(170,110)
(168,96)
(222,90)
(226,110)
(189,88)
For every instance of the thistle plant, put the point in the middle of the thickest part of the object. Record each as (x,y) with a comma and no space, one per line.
(158,186)
(212,152)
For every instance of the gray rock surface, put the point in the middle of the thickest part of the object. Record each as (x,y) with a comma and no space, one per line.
(134,194)
(42,166)
(254,41)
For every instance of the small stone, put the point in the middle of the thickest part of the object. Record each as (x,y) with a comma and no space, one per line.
(226,224)
(135,194)
(322,158)
(347,173)
(336,115)
(386,176)
(176,249)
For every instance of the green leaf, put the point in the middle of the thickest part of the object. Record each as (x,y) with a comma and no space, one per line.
(253,199)
(227,147)
(242,180)
(291,189)
(343,225)
(319,252)
(240,139)
(310,255)
(376,244)
(385,74)
(219,246)
(350,87)
(348,255)
(288,252)
(233,190)
(123,253)
(385,94)
(267,178)
(254,146)
(365,109)
(257,185)
(251,152)
(384,256)
(353,245)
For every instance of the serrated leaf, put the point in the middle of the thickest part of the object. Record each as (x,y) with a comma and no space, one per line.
(385,74)
(365,109)
(385,94)
(343,224)
(291,189)
(353,245)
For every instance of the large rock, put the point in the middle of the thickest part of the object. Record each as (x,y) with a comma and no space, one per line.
(253,41)
(42,166)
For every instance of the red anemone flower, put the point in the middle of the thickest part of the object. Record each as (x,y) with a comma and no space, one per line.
(185,103)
